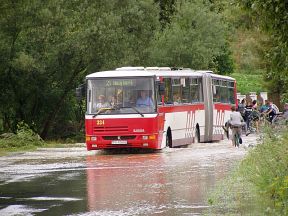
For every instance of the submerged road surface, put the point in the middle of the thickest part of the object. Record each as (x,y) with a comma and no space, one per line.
(72,181)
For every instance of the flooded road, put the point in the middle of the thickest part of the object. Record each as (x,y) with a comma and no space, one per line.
(72,181)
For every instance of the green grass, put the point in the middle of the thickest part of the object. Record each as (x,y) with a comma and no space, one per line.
(26,140)
(249,82)
(11,148)
(259,184)
(8,150)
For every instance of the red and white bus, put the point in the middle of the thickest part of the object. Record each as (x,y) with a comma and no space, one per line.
(184,106)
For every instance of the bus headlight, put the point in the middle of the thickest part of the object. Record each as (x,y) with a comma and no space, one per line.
(91,138)
(150,137)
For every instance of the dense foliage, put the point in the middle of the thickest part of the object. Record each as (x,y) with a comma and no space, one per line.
(190,39)
(47,48)
(272,18)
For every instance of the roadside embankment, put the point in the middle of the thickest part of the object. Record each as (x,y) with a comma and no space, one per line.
(26,140)
(259,184)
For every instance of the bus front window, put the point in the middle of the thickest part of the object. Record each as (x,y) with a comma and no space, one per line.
(120,96)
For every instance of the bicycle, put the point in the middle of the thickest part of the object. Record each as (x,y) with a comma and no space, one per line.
(236,135)
(253,121)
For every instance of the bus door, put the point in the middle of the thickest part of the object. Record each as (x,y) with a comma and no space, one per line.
(208,106)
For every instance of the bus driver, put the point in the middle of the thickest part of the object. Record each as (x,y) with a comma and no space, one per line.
(144,100)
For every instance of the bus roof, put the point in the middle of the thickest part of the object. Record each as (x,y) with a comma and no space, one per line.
(123,73)
(154,71)
(222,77)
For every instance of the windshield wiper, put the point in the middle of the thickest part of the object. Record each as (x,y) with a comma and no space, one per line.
(102,109)
(134,108)
(115,108)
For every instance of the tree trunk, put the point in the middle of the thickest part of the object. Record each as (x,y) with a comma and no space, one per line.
(58,105)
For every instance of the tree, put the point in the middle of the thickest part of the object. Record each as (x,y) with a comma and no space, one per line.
(47,48)
(42,58)
(167,10)
(194,38)
(272,16)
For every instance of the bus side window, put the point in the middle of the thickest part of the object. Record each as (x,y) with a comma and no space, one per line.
(231,92)
(200,89)
(176,91)
(168,91)
(224,92)
(216,90)
(194,90)
(186,91)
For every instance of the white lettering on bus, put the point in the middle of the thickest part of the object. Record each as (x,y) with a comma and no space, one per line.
(138,130)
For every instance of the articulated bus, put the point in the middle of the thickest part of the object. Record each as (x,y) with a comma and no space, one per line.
(184,106)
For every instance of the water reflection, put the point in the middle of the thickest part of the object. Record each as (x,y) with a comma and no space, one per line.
(165,183)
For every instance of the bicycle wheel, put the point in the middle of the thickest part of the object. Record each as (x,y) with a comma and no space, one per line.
(236,140)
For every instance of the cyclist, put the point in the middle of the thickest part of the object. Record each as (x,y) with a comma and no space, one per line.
(236,123)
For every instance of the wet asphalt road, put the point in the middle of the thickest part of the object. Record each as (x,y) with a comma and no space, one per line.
(73,181)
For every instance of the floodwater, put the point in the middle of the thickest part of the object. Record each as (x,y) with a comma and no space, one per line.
(73,181)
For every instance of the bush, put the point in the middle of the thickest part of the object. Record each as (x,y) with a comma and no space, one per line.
(266,169)
(24,137)
(259,185)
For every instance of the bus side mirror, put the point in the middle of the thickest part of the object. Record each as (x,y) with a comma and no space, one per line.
(80,92)
(161,88)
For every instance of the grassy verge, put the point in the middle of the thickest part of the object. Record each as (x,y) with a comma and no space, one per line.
(249,82)
(259,184)
(26,140)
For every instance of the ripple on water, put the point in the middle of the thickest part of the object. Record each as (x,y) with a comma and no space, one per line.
(19,210)
(64,199)
(149,209)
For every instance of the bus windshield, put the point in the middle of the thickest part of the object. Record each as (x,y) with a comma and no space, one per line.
(121,96)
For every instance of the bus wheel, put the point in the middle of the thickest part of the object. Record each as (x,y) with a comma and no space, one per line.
(169,140)
(197,135)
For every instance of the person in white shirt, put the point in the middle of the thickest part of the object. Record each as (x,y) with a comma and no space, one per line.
(236,122)
(102,103)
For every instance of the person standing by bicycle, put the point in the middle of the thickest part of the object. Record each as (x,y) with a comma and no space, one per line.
(247,114)
(265,107)
(270,112)
(255,115)
(285,111)
(241,108)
